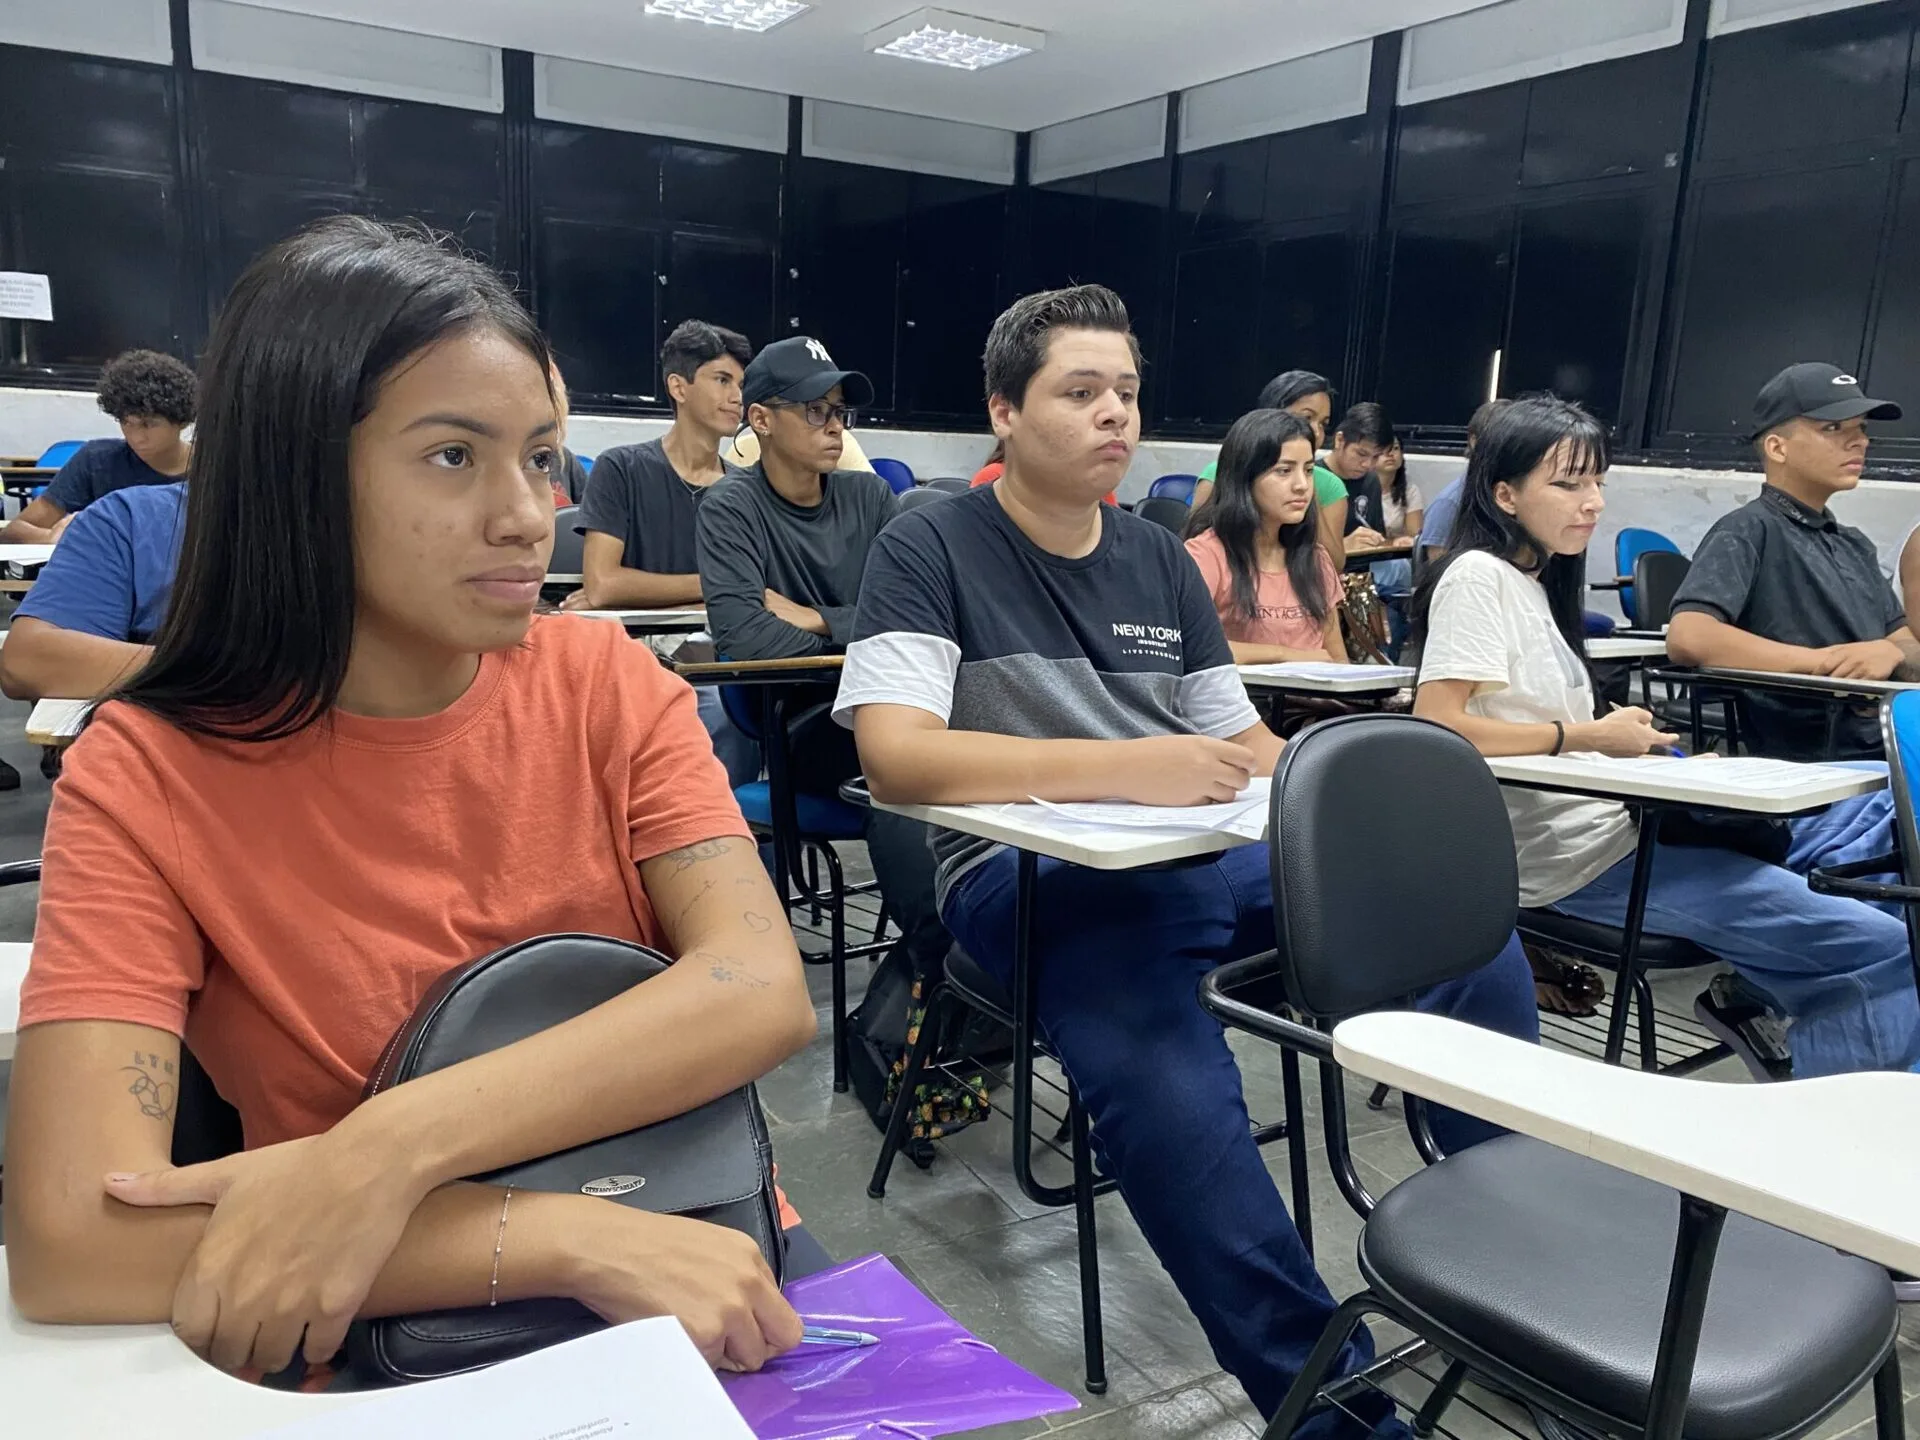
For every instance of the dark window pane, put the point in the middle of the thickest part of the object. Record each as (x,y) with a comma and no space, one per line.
(1779,270)
(1125,248)
(949,295)
(1807,83)
(1575,291)
(734,189)
(1620,118)
(1446,302)
(63,107)
(597,298)
(1894,369)
(1223,190)
(1304,304)
(851,222)
(724,282)
(431,150)
(1322,170)
(1059,236)
(107,245)
(1213,373)
(577,171)
(248,217)
(255,127)
(1463,145)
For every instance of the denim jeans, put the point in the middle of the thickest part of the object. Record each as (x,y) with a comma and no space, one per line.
(1840,970)
(739,753)
(1393,581)
(1121,956)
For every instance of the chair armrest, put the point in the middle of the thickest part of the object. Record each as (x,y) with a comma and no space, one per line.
(1849,880)
(20,872)
(1821,1173)
(1218,999)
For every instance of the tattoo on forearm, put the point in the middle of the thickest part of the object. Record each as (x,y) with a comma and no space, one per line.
(689,856)
(757,922)
(152,1083)
(731,972)
(697,897)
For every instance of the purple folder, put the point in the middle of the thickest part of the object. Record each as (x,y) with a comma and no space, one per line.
(926,1377)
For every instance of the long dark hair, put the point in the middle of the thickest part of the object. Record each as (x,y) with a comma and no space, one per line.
(1510,448)
(1291,386)
(1232,512)
(260,625)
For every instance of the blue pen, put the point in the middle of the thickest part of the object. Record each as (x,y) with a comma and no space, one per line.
(845,1339)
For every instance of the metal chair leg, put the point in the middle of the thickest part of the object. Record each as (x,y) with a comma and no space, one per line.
(1889,1409)
(1326,1354)
(1649,1032)
(813,884)
(1378,1099)
(1297,1147)
(1092,1330)
(939,1002)
(1443,1395)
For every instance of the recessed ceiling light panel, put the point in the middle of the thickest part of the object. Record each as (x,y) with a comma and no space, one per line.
(754,15)
(960,42)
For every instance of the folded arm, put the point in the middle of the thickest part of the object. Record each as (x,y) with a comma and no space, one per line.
(612,585)
(1697,638)
(34,524)
(42,659)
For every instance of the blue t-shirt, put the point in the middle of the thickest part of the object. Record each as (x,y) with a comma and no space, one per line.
(1437,526)
(112,571)
(100,467)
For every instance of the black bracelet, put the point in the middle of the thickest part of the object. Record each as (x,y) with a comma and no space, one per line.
(1559,737)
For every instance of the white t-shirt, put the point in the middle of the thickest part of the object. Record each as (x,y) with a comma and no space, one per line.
(1397,514)
(1491,624)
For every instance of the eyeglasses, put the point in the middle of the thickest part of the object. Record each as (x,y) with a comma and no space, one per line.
(819,412)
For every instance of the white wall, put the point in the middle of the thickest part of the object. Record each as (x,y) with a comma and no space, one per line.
(1681,504)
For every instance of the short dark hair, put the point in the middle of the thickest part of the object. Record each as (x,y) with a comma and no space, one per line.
(257,635)
(1290,386)
(1017,344)
(147,383)
(1366,424)
(1483,417)
(694,343)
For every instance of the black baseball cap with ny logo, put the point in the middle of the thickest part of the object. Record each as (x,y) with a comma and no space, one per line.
(1819,392)
(799,369)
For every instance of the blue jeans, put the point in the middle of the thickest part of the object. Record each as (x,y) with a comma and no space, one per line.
(737,750)
(1840,970)
(1393,581)
(1121,956)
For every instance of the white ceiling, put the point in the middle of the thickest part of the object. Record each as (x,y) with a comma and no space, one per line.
(1098,54)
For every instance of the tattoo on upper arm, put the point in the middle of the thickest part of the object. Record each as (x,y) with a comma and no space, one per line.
(698,895)
(757,922)
(689,856)
(153,1084)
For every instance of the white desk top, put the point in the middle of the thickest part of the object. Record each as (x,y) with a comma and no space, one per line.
(54,722)
(560,577)
(1755,787)
(1078,845)
(13,972)
(1820,684)
(1323,678)
(686,619)
(25,554)
(1823,1169)
(1622,647)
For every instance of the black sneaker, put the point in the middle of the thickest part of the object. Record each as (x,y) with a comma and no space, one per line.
(1742,1021)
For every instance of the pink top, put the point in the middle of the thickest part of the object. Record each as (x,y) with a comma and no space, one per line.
(1282,619)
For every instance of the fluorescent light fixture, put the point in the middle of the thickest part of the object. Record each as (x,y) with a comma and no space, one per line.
(755,15)
(961,42)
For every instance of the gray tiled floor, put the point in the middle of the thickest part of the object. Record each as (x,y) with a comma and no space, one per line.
(1002,1265)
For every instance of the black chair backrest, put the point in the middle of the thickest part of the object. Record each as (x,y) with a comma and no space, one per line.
(1165,510)
(1656,580)
(921,495)
(568,542)
(1368,914)
(205,1127)
(949,485)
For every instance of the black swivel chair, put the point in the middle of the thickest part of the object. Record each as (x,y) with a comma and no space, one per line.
(1617,1331)
(1165,510)
(949,485)
(921,495)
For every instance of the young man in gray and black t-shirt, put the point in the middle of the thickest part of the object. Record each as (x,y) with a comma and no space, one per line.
(1025,641)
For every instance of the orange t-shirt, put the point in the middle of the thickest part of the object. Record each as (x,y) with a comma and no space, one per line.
(1282,619)
(283,906)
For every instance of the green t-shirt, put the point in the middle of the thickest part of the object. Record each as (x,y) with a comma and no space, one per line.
(1327,486)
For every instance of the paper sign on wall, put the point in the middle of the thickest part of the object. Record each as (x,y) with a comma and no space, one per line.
(25,296)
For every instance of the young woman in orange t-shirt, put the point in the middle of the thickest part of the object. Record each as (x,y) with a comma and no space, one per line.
(1256,541)
(354,761)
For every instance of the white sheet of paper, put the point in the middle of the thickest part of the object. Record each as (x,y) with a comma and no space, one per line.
(1328,670)
(1748,772)
(642,1381)
(1245,815)
(25,296)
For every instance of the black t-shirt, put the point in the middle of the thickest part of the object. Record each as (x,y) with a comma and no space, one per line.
(1363,504)
(1787,572)
(963,616)
(98,468)
(635,495)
